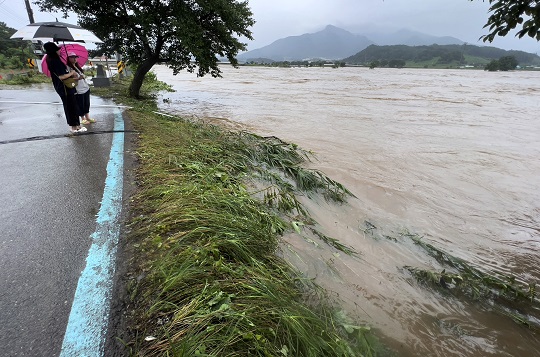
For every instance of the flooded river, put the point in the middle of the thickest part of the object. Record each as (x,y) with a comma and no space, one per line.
(450,155)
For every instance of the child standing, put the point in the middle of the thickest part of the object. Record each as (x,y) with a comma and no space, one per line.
(83,90)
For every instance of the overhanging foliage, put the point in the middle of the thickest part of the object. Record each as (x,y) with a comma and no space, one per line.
(184,34)
(507,15)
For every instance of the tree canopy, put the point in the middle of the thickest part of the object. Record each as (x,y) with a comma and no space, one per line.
(506,63)
(507,15)
(183,34)
(5,42)
(13,53)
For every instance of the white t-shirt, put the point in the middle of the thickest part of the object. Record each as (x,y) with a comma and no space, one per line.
(82,85)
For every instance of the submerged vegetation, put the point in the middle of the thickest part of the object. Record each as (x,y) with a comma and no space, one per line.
(494,291)
(206,219)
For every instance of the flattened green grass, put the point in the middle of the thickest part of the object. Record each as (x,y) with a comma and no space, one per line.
(23,78)
(209,211)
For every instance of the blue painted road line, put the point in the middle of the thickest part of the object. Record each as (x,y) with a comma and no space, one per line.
(87,324)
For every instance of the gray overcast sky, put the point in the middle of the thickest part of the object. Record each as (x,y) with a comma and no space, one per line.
(458,18)
(276,19)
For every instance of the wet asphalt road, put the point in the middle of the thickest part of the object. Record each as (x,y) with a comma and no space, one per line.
(50,193)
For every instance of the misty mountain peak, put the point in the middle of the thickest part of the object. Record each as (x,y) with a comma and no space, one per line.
(332,28)
(333,43)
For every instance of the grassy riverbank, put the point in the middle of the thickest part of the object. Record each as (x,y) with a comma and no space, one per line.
(207,215)
(18,77)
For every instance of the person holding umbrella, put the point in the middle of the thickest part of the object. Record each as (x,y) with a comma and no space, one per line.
(60,71)
(83,89)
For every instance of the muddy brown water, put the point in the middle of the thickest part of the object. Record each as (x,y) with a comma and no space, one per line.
(451,155)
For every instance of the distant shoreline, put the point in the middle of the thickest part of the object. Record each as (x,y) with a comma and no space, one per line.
(279,65)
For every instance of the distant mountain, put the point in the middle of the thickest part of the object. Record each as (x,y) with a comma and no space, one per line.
(438,54)
(410,38)
(330,43)
(334,43)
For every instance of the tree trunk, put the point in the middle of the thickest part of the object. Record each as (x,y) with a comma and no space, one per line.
(138,77)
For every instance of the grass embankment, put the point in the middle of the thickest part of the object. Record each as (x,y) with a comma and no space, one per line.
(18,77)
(477,62)
(209,210)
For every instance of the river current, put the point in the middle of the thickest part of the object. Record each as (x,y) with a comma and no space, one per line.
(450,155)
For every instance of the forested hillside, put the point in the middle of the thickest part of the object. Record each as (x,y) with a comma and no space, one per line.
(439,54)
(13,53)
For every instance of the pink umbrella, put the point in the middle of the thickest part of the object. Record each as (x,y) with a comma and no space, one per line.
(65,49)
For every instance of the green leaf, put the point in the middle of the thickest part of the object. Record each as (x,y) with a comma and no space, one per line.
(224,307)
(296,225)
(216,299)
(353,328)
